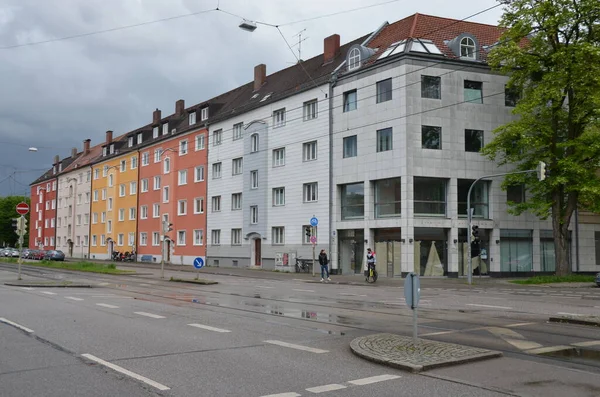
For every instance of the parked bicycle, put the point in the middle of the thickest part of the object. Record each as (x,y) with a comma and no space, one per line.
(303,265)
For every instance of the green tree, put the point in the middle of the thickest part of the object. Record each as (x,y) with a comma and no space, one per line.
(8,212)
(551,52)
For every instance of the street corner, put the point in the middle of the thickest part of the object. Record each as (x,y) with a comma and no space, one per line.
(401,352)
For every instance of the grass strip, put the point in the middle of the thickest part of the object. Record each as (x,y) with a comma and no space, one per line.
(82,266)
(571,278)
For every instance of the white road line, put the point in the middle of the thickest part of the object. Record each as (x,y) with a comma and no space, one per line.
(28,288)
(518,325)
(263,286)
(346,294)
(570,314)
(514,338)
(587,344)
(326,388)
(149,315)
(292,394)
(5,321)
(73,298)
(126,372)
(303,290)
(106,305)
(490,306)
(209,328)
(48,292)
(441,333)
(291,345)
(373,379)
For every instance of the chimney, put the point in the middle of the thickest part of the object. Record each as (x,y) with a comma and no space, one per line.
(331,48)
(179,107)
(108,137)
(56,160)
(73,152)
(260,76)
(156,116)
(86,146)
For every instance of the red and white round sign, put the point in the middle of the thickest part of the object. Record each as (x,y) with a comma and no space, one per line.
(22,208)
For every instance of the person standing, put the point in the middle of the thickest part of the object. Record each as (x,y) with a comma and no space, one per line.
(323,261)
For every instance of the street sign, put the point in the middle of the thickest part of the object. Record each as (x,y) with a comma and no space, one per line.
(412,290)
(22,208)
(198,263)
(313,239)
(314,221)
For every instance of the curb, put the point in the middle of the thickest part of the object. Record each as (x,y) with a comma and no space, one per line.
(578,321)
(197,282)
(34,285)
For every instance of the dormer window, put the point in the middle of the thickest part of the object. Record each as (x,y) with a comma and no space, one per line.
(204,114)
(139,138)
(354,59)
(165,128)
(467,48)
(130,141)
(155,132)
(192,118)
(112,149)
(104,151)
(59,167)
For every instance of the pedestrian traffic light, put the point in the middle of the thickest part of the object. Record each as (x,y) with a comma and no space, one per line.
(15,224)
(542,171)
(547,172)
(307,231)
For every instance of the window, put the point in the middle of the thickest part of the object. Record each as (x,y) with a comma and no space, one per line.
(309,151)
(132,214)
(122,190)
(254,143)
(310,110)
(109,204)
(111,148)
(132,188)
(94,218)
(198,205)
(87,197)
(217,137)
(236,236)
(143,239)
(110,181)
(88,175)
(104,194)
(167,165)
(253,179)
(236,201)
(140,137)
(310,192)
(278,235)
(165,128)
(237,131)
(103,217)
(79,198)
(155,239)
(96,174)
(216,203)
(199,173)
(254,214)
(157,154)
(236,166)
(123,165)
(121,214)
(182,207)
(511,96)
(387,198)
(467,48)
(473,91)
(181,237)
(104,170)
(278,196)
(134,163)
(144,212)
(86,219)
(349,101)
(384,90)
(198,237)
(354,59)
(216,237)
(145,159)
(157,182)
(78,221)
(353,201)
(429,196)
(431,87)
(94,240)
(109,226)
(515,194)
(204,113)
(279,118)
(200,142)
(144,187)
(182,177)
(102,240)
(384,140)
(155,132)
(183,147)
(473,140)
(155,210)
(78,241)
(165,194)
(516,250)
(216,170)
(431,137)
(278,157)
(192,118)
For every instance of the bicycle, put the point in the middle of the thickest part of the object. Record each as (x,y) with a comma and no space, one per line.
(302,265)
(371,274)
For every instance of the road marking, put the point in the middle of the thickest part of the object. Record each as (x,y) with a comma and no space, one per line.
(326,388)
(263,286)
(48,292)
(126,372)
(490,306)
(587,344)
(291,345)
(570,314)
(303,290)
(441,333)
(209,328)
(514,338)
(549,349)
(73,298)
(5,321)
(373,379)
(106,305)
(346,294)
(28,288)
(519,325)
(284,395)
(149,315)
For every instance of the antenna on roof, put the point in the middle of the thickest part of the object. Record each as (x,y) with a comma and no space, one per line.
(299,44)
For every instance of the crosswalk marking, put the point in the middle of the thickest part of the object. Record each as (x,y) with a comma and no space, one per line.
(73,298)
(107,305)
(298,347)
(209,328)
(514,338)
(326,388)
(149,315)
(48,292)
(373,379)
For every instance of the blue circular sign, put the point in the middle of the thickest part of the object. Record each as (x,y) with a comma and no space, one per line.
(314,221)
(199,263)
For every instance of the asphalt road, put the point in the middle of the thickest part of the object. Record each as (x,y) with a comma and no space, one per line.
(259,337)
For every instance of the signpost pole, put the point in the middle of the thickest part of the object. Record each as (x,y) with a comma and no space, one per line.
(414,308)
(313,223)
(313,252)
(412,294)
(21,234)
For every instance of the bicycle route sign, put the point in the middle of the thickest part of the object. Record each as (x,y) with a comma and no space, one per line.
(198,263)
(314,221)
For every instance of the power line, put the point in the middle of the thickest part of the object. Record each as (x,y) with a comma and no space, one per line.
(339,12)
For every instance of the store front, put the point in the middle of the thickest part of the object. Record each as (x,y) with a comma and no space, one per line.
(516,251)
(351,251)
(431,252)
(388,247)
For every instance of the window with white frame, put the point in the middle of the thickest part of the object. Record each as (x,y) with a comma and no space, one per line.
(94,240)
(183,147)
(157,182)
(309,151)
(181,237)
(236,201)
(155,239)
(237,166)
(157,155)
(182,207)
(237,131)
(86,219)
(155,132)
(109,226)
(104,170)
(254,214)
(132,188)
(95,218)
(87,197)
(131,239)
(279,118)
(121,214)
(198,205)
(199,142)
(198,237)
(111,180)
(144,212)
(236,236)
(165,128)
(155,210)
(350,100)
(143,239)
(311,192)
(102,240)
(122,190)
(310,110)
(134,163)
(167,165)
(278,196)
(165,194)
(215,237)
(192,118)
(278,157)
(120,239)
(96,174)
(103,217)
(199,173)
(79,198)
(204,113)
(123,165)
(144,187)
(278,235)
(145,159)
(254,179)
(467,48)
(254,143)
(354,59)
(217,137)
(104,194)
(216,170)
(109,205)
(182,177)
(132,213)
(78,221)
(216,203)
(111,149)
(140,137)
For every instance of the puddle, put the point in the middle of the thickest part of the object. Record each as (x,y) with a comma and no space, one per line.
(578,354)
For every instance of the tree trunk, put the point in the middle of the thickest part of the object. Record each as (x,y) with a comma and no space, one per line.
(561,250)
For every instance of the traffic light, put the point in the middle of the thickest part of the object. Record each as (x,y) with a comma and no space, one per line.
(15,224)
(475,231)
(167,227)
(307,231)
(542,171)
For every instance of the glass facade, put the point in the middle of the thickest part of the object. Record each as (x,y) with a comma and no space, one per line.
(479,198)
(430,196)
(431,248)
(516,250)
(353,201)
(387,198)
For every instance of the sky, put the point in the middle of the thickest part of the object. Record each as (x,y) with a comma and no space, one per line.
(56,91)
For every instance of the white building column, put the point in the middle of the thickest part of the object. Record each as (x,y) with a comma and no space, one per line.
(535,254)
(452,253)
(495,258)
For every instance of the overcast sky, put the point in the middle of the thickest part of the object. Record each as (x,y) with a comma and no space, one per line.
(55,95)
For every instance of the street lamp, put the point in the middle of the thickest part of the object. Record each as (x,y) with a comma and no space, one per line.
(248,26)
(33,149)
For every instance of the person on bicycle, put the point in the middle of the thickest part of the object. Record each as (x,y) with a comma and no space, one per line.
(323,261)
(371,260)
